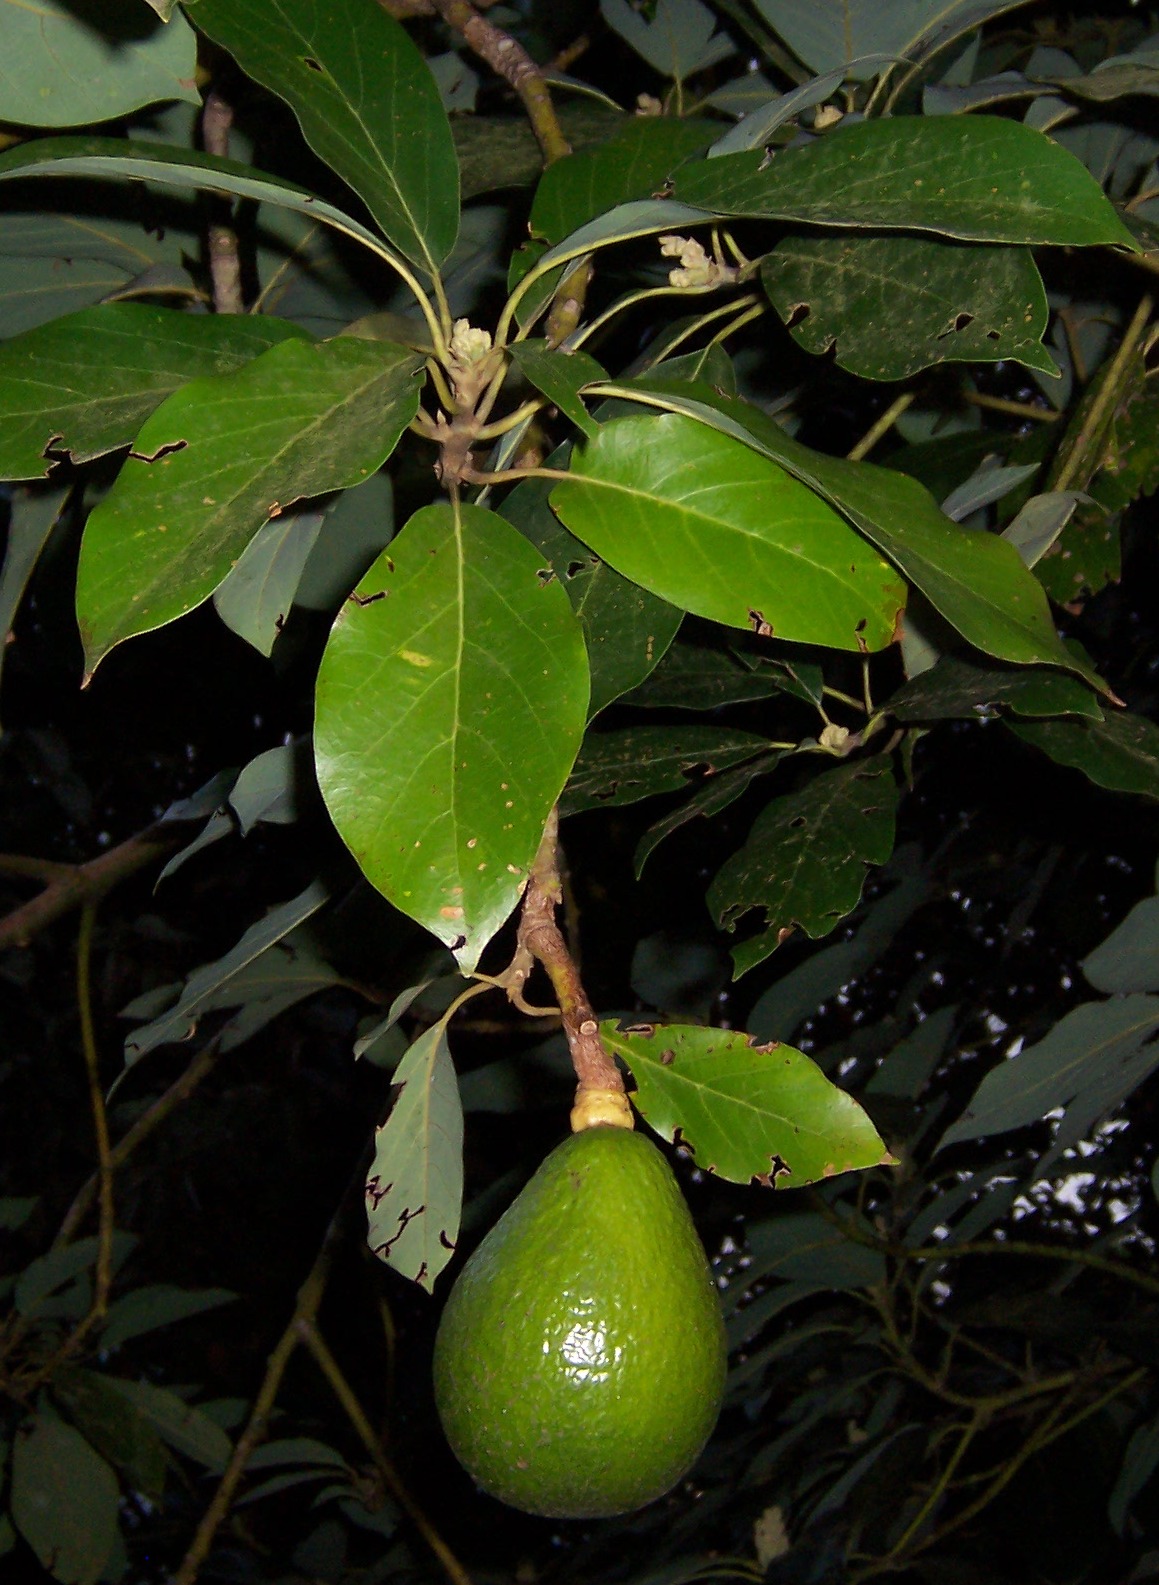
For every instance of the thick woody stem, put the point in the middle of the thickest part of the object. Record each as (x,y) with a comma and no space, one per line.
(508,59)
(542,937)
(224,263)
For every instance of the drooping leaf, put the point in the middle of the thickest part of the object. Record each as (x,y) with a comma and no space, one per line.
(626,629)
(84,384)
(366,102)
(560,375)
(804,863)
(65,1499)
(117,1430)
(222,456)
(709,799)
(977,581)
(214,984)
(50,1272)
(451,703)
(414,1192)
(629,763)
(1128,960)
(745,1111)
(959,689)
(889,306)
(183,1425)
(713,528)
(1120,752)
(980,178)
(259,589)
(32,516)
(68,65)
(143,1310)
(1107,1048)
(827,33)
(631,164)
(677,37)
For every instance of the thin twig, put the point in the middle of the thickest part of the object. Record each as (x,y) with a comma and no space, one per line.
(224,263)
(103,1275)
(75,884)
(881,426)
(309,1334)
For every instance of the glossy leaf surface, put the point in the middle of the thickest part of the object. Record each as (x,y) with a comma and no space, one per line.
(451,702)
(367,104)
(889,306)
(221,457)
(745,1111)
(955,689)
(713,528)
(1121,752)
(414,1192)
(61,71)
(85,383)
(980,178)
(805,859)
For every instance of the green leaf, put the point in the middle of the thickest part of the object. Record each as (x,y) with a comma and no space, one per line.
(451,703)
(32,516)
(709,799)
(977,581)
(677,38)
(959,689)
(700,677)
(1128,960)
(156,1305)
(216,984)
(626,629)
(1102,1047)
(50,1272)
(255,598)
(980,178)
(805,859)
(118,1431)
(631,164)
(805,1246)
(65,1499)
(745,1111)
(222,456)
(414,1193)
(84,384)
(560,376)
(69,64)
(1120,752)
(183,1426)
(825,34)
(630,763)
(296,1450)
(889,306)
(188,170)
(366,102)
(715,529)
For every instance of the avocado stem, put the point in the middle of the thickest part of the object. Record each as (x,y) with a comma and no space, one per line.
(540,934)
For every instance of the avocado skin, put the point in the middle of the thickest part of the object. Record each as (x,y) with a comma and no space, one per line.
(580,1361)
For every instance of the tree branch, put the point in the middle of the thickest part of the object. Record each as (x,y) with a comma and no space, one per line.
(224,264)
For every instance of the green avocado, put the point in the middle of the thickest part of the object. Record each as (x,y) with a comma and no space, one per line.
(579,1365)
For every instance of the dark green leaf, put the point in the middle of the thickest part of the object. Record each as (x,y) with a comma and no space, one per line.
(158,1304)
(1128,960)
(957,689)
(889,306)
(708,799)
(32,516)
(183,1426)
(745,1111)
(714,528)
(66,65)
(804,863)
(414,1192)
(696,677)
(560,376)
(255,598)
(1120,753)
(825,34)
(677,37)
(630,763)
(626,629)
(981,178)
(451,702)
(1106,1047)
(222,456)
(84,384)
(118,1431)
(976,580)
(805,1246)
(65,1499)
(367,105)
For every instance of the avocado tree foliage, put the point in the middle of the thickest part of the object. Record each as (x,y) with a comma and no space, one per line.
(557,415)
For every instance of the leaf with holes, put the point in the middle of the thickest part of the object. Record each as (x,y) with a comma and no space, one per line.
(745,1111)
(629,763)
(890,306)
(414,1192)
(366,102)
(804,863)
(710,526)
(84,384)
(451,703)
(222,456)
(980,178)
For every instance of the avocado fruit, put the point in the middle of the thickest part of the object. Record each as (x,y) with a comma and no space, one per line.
(580,1360)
